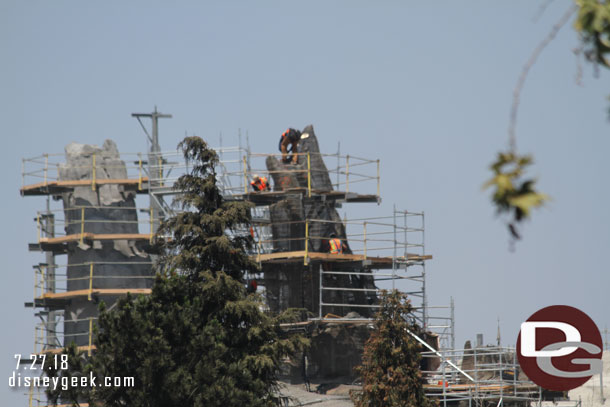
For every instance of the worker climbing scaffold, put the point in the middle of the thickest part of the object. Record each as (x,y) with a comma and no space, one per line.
(289,138)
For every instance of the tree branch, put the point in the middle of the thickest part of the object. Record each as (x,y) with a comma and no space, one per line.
(512,140)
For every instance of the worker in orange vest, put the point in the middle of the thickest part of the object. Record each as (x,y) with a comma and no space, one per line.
(260,183)
(336,245)
(251,286)
(290,138)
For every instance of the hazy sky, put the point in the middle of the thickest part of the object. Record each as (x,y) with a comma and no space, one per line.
(424,86)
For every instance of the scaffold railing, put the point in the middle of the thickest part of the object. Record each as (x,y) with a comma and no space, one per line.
(52,279)
(46,169)
(367,237)
(441,321)
(235,170)
(50,339)
(82,222)
(349,170)
(489,373)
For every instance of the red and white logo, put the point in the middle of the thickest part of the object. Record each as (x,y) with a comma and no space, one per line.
(559,348)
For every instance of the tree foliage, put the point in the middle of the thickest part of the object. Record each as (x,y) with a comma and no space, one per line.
(196,239)
(593,24)
(199,339)
(390,369)
(513,194)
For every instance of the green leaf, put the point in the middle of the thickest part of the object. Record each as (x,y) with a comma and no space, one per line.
(501,181)
(527,201)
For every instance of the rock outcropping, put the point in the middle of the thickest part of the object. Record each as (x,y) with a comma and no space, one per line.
(108,209)
(293,285)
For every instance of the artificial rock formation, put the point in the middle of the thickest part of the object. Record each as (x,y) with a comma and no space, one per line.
(295,285)
(336,348)
(108,209)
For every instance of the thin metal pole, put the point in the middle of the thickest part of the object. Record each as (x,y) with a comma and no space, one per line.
(394,254)
(82,224)
(93,173)
(515,374)
(347,173)
(405,224)
(423,262)
(90,334)
(38,226)
(49,227)
(139,171)
(239,140)
(444,382)
(305,259)
(36,282)
(501,378)
(364,230)
(378,180)
(476,373)
(90,281)
(154,155)
(245,174)
(320,293)
(248,152)
(160,164)
(152,224)
(220,152)
(308,174)
(452,324)
(46,168)
(338,161)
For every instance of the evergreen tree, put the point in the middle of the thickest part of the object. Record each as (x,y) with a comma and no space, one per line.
(196,239)
(199,339)
(390,369)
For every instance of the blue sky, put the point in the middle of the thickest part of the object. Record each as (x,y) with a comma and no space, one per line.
(424,86)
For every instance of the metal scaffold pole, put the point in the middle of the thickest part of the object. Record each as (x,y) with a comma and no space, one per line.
(50,279)
(394,248)
(423,264)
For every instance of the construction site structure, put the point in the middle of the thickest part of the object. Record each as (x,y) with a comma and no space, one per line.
(105,237)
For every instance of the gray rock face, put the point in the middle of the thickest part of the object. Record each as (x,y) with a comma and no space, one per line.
(336,349)
(295,285)
(109,209)
(108,165)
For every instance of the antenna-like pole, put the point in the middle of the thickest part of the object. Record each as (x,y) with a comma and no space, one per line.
(154,164)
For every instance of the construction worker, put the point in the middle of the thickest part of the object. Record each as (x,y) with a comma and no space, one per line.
(260,184)
(336,246)
(251,286)
(290,138)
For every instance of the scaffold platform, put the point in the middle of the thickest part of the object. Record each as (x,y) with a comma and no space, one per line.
(59,187)
(310,257)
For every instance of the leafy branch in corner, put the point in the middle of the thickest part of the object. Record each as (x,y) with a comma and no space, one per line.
(593,24)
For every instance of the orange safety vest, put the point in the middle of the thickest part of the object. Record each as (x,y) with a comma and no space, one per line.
(260,185)
(336,246)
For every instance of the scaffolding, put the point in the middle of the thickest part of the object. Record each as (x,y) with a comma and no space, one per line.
(386,252)
(488,375)
(379,244)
